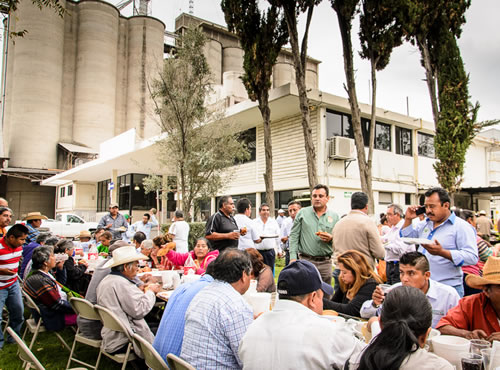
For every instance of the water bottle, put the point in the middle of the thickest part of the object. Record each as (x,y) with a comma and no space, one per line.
(93,253)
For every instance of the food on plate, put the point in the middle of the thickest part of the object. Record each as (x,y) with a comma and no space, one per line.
(366,333)
(145,269)
(243,231)
(330,313)
(319,233)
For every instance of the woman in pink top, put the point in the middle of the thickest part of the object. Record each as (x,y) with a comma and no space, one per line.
(201,256)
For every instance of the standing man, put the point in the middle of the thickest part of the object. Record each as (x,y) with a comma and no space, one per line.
(293,208)
(221,228)
(114,222)
(452,242)
(5,219)
(267,231)
(148,222)
(484,226)
(394,246)
(281,217)
(11,249)
(311,234)
(179,232)
(245,224)
(33,223)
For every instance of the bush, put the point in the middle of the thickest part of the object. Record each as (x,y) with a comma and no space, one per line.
(196,230)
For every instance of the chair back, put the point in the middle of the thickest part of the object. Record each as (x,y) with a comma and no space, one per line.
(111,321)
(177,363)
(30,302)
(152,358)
(25,353)
(84,308)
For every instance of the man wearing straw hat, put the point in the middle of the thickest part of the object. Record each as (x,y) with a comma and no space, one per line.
(119,293)
(33,223)
(477,316)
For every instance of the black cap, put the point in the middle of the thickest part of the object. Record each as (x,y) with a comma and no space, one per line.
(301,277)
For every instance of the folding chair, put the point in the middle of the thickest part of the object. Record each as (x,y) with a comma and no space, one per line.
(177,363)
(84,309)
(5,320)
(111,322)
(37,327)
(152,358)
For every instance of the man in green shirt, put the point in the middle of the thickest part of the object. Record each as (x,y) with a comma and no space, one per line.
(311,235)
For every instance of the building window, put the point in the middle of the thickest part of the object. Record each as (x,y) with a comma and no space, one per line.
(62,191)
(70,190)
(382,139)
(403,141)
(103,195)
(282,198)
(124,191)
(384,197)
(407,199)
(251,198)
(139,199)
(338,124)
(425,145)
(249,137)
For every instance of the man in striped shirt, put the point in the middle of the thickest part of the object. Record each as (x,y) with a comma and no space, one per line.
(11,249)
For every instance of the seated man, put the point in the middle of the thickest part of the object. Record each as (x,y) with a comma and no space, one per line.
(119,293)
(414,272)
(219,316)
(293,335)
(476,316)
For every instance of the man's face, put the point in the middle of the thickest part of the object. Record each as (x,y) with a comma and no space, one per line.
(319,198)
(145,220)
(5,218)
(434,210)
(493,293)
(228,207)
(411,276)
(16,242)
(4,203)
(264,212)
(246,282)
(84,240)
(392,218)
(113,211)
(130,271)
(293,210)
(248,211)
(36,223)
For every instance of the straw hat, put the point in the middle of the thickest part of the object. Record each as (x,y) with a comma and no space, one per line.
(124,255)
(491,274)
(84,234)
(34,216)
(483,212)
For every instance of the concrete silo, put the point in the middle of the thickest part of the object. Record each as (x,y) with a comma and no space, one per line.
(121,78)
(213,53)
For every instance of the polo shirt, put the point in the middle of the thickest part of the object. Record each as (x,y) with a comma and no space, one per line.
(220,223)
(9,259)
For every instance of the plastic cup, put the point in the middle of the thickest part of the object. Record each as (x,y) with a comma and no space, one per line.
(385,288)
(476,345)
(486,353)
(471,361)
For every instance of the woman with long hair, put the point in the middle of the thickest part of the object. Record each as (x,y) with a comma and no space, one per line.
(405,320)
(261,272)
(357,282)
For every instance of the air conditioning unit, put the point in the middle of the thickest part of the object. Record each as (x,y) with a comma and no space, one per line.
(341,148)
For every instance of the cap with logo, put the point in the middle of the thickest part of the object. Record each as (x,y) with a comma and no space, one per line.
(301,277)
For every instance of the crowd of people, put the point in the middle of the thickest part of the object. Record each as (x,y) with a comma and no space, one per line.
(450,282)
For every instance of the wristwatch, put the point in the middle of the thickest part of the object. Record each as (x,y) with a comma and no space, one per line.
(375,305)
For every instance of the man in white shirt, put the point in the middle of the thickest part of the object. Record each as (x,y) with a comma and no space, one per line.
(245,224)
(267,232)
(179,232)
(148,222)
(394,246)
(414,272)
(281,217)
(293,208)
(294,335)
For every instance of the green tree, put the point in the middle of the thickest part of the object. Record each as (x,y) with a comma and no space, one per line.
(262,35)
(200,145)
(292,9)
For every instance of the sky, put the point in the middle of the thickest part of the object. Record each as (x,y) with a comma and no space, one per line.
(404,76)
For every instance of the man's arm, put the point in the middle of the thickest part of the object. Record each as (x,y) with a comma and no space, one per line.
(377,250)
(102,222)
(451,330)
(294,238)
(153,221)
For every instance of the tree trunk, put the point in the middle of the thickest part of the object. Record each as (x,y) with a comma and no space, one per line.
(371,138)
(430,79)
(268,174)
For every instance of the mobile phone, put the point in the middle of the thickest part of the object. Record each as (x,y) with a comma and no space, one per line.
(420,210)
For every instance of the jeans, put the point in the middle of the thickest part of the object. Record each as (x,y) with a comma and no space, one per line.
(392,272)
(269,257)
(460,289)
(12,299)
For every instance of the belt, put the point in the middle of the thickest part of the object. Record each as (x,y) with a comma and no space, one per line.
(315,258)
(393,262)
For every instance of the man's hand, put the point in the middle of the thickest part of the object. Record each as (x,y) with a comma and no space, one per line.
(284,239)
(378,296)
(83,262)
(108,226)
(492,337)
(145,278)
(411,212)
(155,288)
(7,272)
(477,334)
(235,235)
(437,249)
(325,237)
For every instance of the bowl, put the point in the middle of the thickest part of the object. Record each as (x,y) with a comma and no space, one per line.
(449,347)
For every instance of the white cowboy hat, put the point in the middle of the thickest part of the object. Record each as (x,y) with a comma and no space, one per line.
(34,216)
(84,234)
(124,255)
(491,274)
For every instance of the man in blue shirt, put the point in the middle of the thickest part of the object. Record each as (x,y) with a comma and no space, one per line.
(452,241)
(170,333)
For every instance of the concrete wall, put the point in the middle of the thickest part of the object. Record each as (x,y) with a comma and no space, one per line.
(24,196)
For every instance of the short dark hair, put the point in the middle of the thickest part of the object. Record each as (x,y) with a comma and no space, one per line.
(230,265)
(147,215)
(139,237)
(107,235)
(321,186)
(292,202)
(223,200)
(17,231)
(40,255)
(415,259)
(263,205)
(179,214)
(359,200)
(42,237)
(444,197)
(465,214)
(242,205)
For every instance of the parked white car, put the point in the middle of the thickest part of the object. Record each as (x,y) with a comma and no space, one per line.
(68,225)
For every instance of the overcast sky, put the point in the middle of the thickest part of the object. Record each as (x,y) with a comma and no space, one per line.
(479,44)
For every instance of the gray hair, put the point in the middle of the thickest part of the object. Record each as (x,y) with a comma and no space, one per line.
(3,209)
(397,209)
(63,245)
(179,214)
(42,238)
(52,241)
(120,268)
(41,255)
(147,244)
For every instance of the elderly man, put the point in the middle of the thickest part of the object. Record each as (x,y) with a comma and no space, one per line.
(452,242)
(414,272)
(5,219)
(179,232)
(119,293)
(394,246)
(28,251)
(148,222)
(33,223)
(484,226)
(114,222)
(267,232)
(477,316)
(3,202)
(221,228)
(311,235)
(293,208)
(293,335)
(219,316)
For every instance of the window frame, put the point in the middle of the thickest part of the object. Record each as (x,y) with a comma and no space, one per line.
(400,144)
(420,152)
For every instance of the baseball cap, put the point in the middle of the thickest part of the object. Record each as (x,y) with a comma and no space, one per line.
(301,277)
(113,205)
(281,211)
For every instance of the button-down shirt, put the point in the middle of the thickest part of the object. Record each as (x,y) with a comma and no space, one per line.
(220,223)
(169,336)
(246,241)
(484,225)
(303,238)
(216,320)
(146,227)
(292,336)
(32,234)
(286,228)
(116,223)
(441,297)
(455,235)
(271,227)
(394,246)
